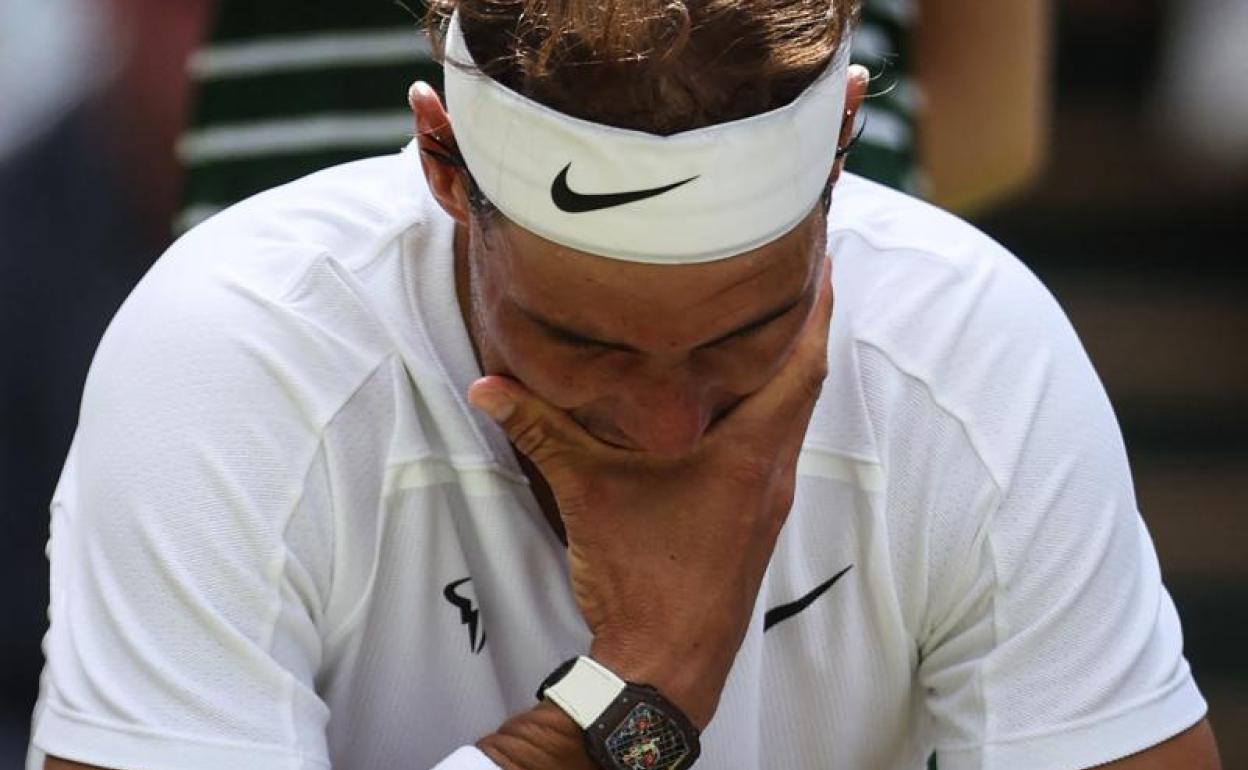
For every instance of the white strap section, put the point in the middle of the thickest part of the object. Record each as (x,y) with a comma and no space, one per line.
(586,691)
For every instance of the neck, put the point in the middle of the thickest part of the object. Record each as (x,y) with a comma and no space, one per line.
(463,291)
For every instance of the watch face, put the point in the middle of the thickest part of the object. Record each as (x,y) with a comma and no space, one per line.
(647,739)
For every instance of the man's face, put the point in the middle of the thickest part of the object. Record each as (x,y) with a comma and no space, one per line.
(642,356)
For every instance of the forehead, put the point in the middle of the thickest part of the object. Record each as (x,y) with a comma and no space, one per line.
(564,283)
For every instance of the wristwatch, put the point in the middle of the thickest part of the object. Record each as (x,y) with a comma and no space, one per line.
(627,726)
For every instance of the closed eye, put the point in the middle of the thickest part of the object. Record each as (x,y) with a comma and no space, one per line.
(572,339)
(577,341)
(744,332)
(581,342)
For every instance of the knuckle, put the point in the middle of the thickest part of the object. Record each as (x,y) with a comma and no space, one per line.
(752,469)
(780,504)
(572,496)
(784,496)
(532,437)
(812,381)
(819,370)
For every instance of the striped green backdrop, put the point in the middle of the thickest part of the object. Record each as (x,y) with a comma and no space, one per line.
(286,87)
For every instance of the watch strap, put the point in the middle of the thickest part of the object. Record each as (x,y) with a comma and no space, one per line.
(583,689)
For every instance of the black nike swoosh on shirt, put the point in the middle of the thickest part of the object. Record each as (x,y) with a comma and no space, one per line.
(567,199)
(786,611)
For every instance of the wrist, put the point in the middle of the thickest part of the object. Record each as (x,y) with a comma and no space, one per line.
(625,724)
(691,682)
(538,739)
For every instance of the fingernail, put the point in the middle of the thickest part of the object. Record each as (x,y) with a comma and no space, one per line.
(417,90)
(497,405)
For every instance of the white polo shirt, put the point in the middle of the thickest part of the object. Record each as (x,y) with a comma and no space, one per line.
(284,541)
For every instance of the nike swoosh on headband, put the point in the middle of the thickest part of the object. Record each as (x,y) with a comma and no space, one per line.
(567,199)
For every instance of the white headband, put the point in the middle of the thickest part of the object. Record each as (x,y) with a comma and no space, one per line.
(695,196)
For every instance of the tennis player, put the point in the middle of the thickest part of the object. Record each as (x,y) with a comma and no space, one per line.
(609,425)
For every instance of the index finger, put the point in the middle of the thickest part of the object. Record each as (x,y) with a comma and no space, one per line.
(544,433)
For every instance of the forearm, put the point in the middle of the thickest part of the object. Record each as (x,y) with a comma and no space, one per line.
(542,737)
(1192,749)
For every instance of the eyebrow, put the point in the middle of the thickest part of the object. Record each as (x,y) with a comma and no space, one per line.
(580,338)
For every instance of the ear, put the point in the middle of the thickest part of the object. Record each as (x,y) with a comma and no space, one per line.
(436,141)
(855,92)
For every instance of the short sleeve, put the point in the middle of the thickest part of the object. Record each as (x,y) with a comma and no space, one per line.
(1045,636)
(191,542)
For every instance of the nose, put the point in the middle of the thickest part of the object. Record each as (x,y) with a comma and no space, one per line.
(665,417)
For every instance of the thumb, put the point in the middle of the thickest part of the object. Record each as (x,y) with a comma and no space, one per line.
(545,434)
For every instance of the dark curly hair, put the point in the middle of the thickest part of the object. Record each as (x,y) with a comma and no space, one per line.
(661,66)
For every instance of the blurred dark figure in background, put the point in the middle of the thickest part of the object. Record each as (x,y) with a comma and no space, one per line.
(85,97)
(65,238)
(1202,98)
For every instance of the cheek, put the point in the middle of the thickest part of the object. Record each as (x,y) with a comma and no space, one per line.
(746,366)
(561,375)
(739,372)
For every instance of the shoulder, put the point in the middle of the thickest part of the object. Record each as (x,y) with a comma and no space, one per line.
(916,275)
(259,360)
(925,298)
(1007,493)
(279,287)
